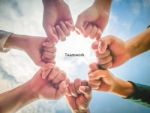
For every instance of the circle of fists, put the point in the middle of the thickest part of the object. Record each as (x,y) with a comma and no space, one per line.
(52,83)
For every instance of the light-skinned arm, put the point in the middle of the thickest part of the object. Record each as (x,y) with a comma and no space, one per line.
(49,83)
(92,22)
(119,51)
(79,96)
(39,49)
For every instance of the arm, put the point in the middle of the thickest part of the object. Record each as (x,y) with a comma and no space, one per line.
(45,84)
(39,49)
(79,96)
(17,42)
(105,3)
(92,21)
(118,52)
(57,20)
(15,99)
(128,90)
(139,44)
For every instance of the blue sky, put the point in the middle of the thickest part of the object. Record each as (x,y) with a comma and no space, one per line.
(127,19)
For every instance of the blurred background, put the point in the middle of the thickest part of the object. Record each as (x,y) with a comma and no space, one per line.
(127,19)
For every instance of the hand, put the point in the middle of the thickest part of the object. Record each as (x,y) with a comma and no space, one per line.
(57,19)
(79,96)
(103,80)
(40,50)
(49,82)
(115,54)
(48,52)
(93,20)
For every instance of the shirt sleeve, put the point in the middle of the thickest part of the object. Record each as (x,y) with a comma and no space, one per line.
(3,38)
(141,94)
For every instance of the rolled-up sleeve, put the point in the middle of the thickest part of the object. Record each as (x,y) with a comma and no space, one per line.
(3,38)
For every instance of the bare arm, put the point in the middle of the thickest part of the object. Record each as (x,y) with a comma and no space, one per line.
(42,85)
(12,100)
(139,44)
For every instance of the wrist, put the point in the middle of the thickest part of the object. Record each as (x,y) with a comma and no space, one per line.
(105,4)
(122,88)
(26,94)
(129,51)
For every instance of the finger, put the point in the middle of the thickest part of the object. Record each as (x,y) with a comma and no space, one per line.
(77,84)
(93,67)
(97,75)
(72,90)
(106,66)
(61,77)
(79,25)
(54,30)
(103,61)
(50,33)
(94,87)
(41,63)
(68,93)
(95,45)
(105,54)
(46,69)
(84,83)
(102,46)
(86,90)
(95,82)
(67,81)
(82,103)
(61,90)
(48,49)
(93,32)
(70,26)
(72,102)
(64,29)
(48,44)
(88,30)
(53,74)
(99,34)
(60,33)
(52,61)
(48,55)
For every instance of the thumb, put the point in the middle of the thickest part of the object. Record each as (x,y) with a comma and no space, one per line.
(86,90)
(93,67)
(79,25)
(102,46)
(46,69)
(62,89)
(51,34)
(95,45)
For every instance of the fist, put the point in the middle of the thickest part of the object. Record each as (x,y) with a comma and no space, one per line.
(115,55)
(49,82)
(79,96)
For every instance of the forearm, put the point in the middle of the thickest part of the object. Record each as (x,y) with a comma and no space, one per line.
(16,42)
(139,44)
(15,99)
(122,88)
(106,4)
